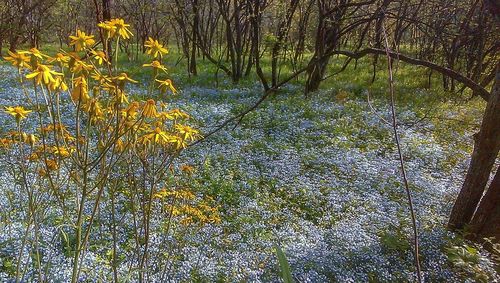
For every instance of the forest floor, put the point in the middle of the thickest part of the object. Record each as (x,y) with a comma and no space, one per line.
(319,177)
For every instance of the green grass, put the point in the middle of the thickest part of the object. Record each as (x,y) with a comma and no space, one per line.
(353,79)
(351,84)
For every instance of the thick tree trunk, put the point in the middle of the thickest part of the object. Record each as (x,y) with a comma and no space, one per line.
(486,147)
(317,68)
(315,75)
(13,42)
(486,220)
(327,39)
(255,23)
(106,10)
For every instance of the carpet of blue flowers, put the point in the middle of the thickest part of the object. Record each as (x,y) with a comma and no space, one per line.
(318,177)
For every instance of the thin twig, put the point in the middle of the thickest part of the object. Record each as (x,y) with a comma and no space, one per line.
(402,165)
(375,111)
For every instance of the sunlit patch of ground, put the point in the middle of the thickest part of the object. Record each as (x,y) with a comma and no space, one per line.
(319,177)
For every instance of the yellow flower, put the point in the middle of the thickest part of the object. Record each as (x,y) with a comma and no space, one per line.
(187,169)
(160,136)
(161,194)
(60,58)
(34,53)
(131,110)
(108,28)
(43,72)
(5,143)
(124,77)
(177,194)
(149,110)
(100,56)
(155,48)
(119,145)
(33,157)
(80,90)
(30,139)
(94,108)
(69,139)
(178,114)
(51,166)
(58,84)
(18,59)
(120,96)
(157,136)
(165,116)
(81,40)
(121,28)
(178,142)
(166,84)
(187,132)
(59,128)
(61,151)
(80,66)
(18,112)
(101,79)
(156,65)
(121,79)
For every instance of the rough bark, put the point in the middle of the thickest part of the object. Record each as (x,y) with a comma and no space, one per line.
(327,35)
(106,10)
(486,148)
(486,220)
(315,75)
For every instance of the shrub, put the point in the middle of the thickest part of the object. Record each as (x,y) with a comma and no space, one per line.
(85,150)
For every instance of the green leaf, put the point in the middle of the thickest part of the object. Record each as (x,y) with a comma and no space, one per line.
(286,273)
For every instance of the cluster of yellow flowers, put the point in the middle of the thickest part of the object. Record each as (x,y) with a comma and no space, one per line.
(17,112)
(181,203)
(101,94)
(94,137)
(13,137)
(116,27)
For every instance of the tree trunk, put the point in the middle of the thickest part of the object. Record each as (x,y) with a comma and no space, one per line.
(327,39)
(13,42)
(486,147)
(106,10)
(281,34)
(486,220)
(192,65)
(106,16)
(315,75)
(255,23)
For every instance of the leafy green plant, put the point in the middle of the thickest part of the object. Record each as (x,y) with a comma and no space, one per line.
(285,271)
(495,251)
(395,242)
(467,259)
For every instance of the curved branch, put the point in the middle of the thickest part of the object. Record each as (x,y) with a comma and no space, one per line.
(476,87)
(355,55)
